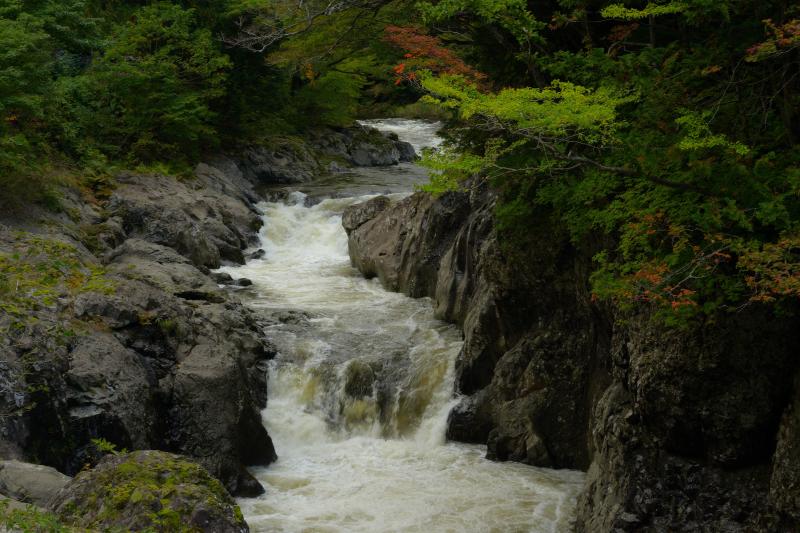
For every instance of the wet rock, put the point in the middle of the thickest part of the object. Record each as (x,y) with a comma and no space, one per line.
(359,379)
(258,254)
(406,151)
(117,312)
(370,154)
(205,296)
(207,410)
(404,244)
(291,316)
(148,490)
(336,168)
(679,429)
(356,215)
(785,478)
(126,362)
(110,387)
(223,278)
(30,483)
(468,422)
(368,147)
(200,223)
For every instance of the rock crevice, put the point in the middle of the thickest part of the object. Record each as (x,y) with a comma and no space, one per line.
(679,430)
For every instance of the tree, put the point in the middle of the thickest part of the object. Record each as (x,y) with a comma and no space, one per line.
(675,141)
(153,89)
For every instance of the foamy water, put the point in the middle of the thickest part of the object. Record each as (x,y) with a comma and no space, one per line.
(358,401)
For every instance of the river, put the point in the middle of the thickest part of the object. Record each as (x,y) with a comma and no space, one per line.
(360,390)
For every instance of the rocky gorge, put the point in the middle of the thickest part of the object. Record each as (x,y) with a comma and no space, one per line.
(117,335)
(123,335)
(691,429)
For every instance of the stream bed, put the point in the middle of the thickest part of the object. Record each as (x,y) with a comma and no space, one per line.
(362,385)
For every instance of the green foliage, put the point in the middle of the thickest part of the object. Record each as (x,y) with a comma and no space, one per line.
(91,86)
(692,10)
(154,87)
(618,11)
(329,100)
(561,112)
(106,447)
(511,15)
(668,154)
(37,271)
(30,520)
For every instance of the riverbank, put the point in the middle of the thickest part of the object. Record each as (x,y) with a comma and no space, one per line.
(116,330)
(359,396)
(688,429)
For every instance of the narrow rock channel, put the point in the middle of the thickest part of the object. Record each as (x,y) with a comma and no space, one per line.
(362,385)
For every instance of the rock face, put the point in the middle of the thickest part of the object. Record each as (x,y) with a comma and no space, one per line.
(157,356)
(291,160)
(148,490)
(29,483)
(680,430)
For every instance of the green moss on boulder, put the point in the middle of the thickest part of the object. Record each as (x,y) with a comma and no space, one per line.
(148,490)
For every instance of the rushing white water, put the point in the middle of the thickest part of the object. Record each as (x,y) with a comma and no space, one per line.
(358,401)
(420,133)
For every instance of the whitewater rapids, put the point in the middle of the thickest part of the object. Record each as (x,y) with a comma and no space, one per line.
(361,388)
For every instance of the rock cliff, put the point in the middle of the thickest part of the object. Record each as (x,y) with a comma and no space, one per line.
(114,328)
(680,430)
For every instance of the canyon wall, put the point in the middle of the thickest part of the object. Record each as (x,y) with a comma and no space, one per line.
(691,429)
(113,327)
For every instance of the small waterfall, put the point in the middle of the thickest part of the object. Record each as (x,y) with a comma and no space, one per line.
(359,396)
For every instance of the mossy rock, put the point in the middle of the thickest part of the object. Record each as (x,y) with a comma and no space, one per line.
(359,379)
(148,490)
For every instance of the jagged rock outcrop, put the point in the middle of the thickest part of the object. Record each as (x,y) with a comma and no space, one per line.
(155,355)
(131,340)
(148,490)
(680,430)
(283,160)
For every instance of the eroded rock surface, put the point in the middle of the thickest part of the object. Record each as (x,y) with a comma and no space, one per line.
(152,353)
(30,483)
(680,430)
(291,160)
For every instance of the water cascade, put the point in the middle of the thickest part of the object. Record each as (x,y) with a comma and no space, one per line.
(362,385)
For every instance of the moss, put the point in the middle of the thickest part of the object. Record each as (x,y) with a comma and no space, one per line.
(30,519)
(37,271)
(149,490)
(167,325)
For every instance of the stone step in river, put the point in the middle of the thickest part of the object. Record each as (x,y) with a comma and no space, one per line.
(360,390)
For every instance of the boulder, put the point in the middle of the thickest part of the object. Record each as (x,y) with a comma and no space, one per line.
(30,483)
(281,160)
(110,386)
(406,151)
(200,223)
(121,360)
(356,215)
(148,490)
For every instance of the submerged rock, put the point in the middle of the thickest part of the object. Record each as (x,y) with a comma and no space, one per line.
(148,489)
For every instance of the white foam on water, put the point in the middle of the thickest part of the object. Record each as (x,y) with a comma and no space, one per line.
(420,133)
(378,462)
